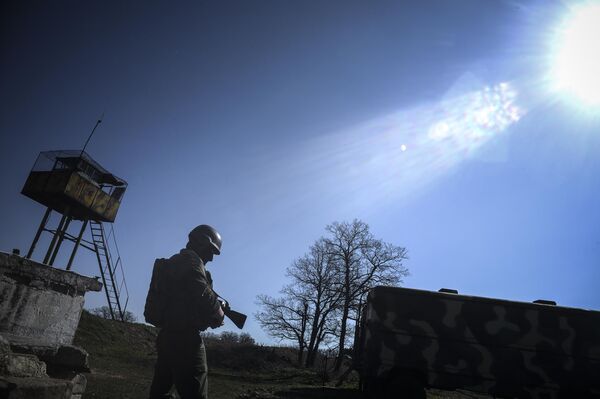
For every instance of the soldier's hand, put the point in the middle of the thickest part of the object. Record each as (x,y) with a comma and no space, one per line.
(219,318)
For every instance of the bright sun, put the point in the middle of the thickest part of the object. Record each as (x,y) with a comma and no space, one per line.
(575,68)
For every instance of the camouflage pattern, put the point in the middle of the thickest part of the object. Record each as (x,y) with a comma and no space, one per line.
(499,347)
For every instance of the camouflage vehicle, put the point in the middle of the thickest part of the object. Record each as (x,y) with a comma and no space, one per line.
(409,339)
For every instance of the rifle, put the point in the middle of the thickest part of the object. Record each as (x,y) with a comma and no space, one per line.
(239,319)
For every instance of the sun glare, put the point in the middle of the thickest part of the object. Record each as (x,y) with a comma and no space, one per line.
(576,60)
(478,115)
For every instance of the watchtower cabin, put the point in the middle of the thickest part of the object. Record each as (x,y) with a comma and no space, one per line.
(77,187)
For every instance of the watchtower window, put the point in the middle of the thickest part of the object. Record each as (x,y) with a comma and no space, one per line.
(81,164)
(65,163)
(89,170)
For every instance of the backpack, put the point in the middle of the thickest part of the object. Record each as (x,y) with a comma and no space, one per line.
(157,298)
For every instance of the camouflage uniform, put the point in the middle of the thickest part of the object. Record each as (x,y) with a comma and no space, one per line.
(191,305)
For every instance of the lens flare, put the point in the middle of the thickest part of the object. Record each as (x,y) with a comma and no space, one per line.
(575,70)
(477,115)
(399,154)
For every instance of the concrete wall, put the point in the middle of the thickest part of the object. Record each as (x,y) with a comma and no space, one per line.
(39,304)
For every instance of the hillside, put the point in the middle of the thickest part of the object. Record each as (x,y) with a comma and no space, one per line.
(122,357)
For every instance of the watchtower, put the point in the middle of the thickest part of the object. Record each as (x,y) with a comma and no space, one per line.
(71,183)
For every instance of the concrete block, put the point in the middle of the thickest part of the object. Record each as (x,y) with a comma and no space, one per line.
(40,304)
(40,307)
(21,365)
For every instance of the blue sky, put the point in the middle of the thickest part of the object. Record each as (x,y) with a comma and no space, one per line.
(272,119)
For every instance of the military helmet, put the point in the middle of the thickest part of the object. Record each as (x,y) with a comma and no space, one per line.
(206,235)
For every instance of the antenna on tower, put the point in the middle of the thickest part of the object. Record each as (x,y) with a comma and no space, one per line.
(91,134)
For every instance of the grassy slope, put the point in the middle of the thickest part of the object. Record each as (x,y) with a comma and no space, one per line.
(122,357)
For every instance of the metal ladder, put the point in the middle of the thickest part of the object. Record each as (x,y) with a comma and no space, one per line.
(111,272)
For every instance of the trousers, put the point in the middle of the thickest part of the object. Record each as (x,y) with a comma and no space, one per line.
(181,362)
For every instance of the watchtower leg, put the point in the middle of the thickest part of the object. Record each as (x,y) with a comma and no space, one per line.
(53,242)
(39,232)
(83,226)
(61,237)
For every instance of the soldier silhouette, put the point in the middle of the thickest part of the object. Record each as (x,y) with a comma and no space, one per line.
(181,303)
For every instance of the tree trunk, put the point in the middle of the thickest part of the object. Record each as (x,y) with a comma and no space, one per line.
(301,340)
(316,349)
(313,335)
(310,358)
(342,344)
(300,354)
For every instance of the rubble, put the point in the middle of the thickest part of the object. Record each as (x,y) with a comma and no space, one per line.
(40,307)
(22,365)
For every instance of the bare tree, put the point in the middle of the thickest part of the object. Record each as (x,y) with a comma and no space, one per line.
(327,286)
(362,262)
(313,280)
(284,319)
